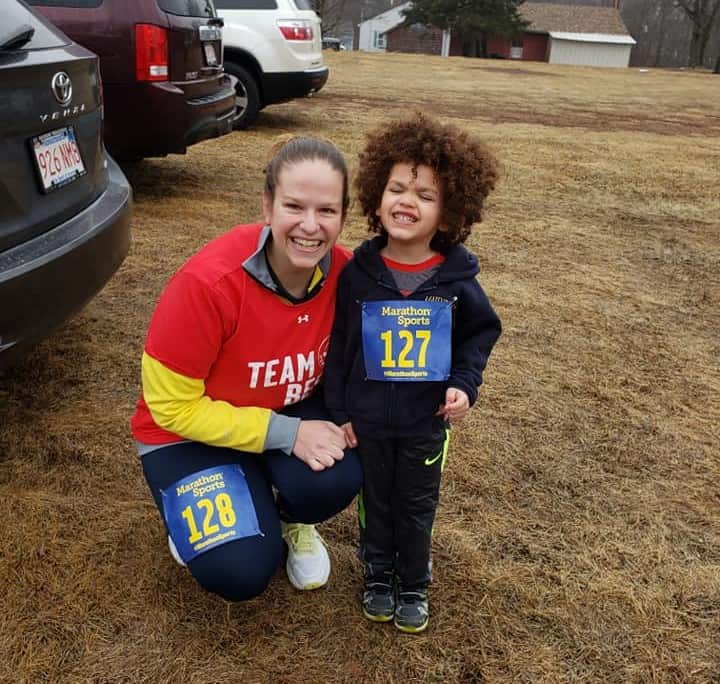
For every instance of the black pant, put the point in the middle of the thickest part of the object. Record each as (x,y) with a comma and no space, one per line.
(242,569)
(401,485)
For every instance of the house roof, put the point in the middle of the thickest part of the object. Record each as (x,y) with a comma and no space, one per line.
(613,38)
(389,10)
(545,17)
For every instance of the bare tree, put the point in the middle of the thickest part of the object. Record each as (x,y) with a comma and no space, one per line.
(331,12)
(702,14)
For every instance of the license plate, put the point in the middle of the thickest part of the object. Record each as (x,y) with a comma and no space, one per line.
(57,158)
(210,56)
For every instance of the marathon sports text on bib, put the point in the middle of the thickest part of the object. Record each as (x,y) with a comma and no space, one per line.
(209,508)
(407,341)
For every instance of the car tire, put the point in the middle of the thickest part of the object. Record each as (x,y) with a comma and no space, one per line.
(247,96)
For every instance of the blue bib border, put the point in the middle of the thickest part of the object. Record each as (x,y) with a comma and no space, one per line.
(407,340)
(211,499)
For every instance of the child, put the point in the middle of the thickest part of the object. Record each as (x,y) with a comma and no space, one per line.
(412,334)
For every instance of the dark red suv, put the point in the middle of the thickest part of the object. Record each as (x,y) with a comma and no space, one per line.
(161,64)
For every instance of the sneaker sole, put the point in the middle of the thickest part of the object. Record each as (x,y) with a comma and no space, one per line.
(305,587)
(174,553)
(412,630)
(311,586)
(377,618)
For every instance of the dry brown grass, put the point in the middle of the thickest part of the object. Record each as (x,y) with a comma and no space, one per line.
(578,538)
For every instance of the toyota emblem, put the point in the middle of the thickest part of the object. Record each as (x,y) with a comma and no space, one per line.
(62,88)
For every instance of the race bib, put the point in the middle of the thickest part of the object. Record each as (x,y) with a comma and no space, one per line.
(407,341)
(209,508)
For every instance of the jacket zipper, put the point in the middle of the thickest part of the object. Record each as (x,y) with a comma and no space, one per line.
(390,391)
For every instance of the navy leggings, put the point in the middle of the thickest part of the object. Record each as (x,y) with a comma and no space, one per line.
(242,569)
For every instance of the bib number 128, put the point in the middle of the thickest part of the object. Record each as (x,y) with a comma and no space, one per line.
(207,509)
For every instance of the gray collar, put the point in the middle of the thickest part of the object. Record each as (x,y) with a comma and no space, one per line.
(256,264)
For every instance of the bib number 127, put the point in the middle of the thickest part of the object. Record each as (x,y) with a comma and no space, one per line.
(408,340)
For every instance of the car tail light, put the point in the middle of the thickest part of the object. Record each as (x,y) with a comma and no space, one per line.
(296,30)
(151,53)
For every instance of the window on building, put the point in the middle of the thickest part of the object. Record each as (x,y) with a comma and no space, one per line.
(379,40)
(516,48)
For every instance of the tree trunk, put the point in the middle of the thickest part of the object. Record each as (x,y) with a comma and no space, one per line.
(707,29)
(702,14)
(717,65)
(661,38)
(695,46)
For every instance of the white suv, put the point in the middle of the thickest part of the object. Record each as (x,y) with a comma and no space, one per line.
(274,49)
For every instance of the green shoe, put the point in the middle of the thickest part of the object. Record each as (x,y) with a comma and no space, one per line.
(378,599)
(412,613)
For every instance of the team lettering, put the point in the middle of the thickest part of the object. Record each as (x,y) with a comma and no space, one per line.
(296,372)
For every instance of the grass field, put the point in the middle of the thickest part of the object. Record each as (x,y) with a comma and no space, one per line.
(578,536)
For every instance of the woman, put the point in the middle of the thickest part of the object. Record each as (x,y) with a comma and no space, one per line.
(235,348)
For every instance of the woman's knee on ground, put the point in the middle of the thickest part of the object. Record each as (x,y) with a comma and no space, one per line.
(235,572)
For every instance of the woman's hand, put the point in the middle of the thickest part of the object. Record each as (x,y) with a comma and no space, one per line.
(319,443)
(456,405)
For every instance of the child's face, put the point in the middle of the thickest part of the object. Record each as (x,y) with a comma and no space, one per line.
(411,205)
(305,216)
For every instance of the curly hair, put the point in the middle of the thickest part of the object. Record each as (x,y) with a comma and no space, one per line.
(466,171)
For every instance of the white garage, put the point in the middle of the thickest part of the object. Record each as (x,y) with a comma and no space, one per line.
(590,49)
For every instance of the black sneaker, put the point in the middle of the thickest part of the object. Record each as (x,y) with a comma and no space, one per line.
(378,599)
(412,613)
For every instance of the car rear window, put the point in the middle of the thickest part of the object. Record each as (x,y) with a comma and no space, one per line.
(246,4)
(15,16)
(188,8)
(66,3)
(303,4)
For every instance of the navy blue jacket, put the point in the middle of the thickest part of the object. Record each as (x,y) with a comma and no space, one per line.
(402,409)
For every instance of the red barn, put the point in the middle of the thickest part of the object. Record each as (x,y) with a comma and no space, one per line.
(560,34)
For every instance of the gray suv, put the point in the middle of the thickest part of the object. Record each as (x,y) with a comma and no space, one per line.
(64,203)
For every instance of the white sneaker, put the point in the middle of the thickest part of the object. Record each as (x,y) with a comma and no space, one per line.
(308,563)
(174,552)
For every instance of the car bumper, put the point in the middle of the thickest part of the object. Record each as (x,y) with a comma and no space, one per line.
(284,86)
(46,280)
(156,119)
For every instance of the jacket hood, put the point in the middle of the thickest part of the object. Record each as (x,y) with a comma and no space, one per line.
(459,264)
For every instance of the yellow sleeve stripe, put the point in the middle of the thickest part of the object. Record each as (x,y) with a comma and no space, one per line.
(179,404)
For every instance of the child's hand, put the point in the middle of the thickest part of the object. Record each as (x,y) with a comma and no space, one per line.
(350,438)
(456,405)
